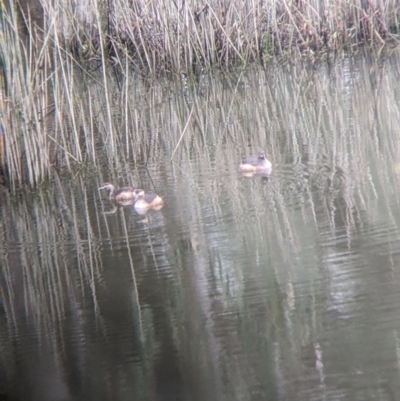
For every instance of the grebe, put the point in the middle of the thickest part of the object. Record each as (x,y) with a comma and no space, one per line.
(256,164)
(147,200)
(119,195)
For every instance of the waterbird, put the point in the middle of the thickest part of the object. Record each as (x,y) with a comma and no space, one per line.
(254,165)
(119,195)
(147,200)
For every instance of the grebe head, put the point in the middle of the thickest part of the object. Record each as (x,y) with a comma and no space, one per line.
(261,155)
(138,194)
(107,186)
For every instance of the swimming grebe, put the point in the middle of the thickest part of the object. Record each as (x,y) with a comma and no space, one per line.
(256,164)
(119,195)
(147,200)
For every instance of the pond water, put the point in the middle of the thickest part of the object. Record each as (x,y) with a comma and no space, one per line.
(279,288)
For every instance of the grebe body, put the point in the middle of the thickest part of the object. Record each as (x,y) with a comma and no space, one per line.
(124,194)
(259,164)
(147,200)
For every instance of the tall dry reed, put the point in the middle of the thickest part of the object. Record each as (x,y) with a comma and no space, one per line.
(163,36)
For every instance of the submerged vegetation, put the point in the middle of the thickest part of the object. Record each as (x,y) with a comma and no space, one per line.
(230,263)
(71,66)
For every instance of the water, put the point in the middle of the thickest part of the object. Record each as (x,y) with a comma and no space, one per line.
(285,288)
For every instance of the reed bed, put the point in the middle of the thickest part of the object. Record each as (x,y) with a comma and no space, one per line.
(69,69)
(163,36)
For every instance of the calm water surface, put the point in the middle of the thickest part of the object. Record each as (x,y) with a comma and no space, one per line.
(285,288)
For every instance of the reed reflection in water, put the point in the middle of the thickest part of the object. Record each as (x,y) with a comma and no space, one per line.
(279,288)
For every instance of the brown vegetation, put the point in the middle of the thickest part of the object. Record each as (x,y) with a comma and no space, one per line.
(167,36)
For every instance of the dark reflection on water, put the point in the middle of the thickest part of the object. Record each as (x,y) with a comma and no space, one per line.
(285,288)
